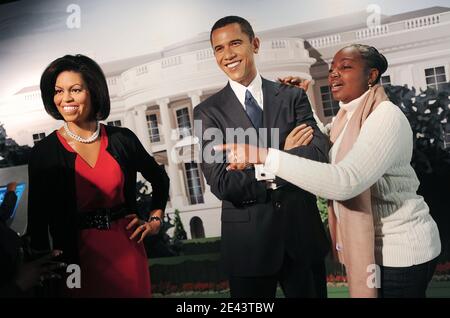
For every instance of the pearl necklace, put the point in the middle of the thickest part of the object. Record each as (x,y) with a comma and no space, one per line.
(81,139)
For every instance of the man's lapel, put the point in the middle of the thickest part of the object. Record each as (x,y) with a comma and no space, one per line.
(238,117)
(236,112)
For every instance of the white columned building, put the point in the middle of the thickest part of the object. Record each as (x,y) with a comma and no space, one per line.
(177,198)
(141,126)
(129,120)
(154,95)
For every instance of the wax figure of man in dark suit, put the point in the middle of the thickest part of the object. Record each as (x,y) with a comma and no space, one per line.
(271,230)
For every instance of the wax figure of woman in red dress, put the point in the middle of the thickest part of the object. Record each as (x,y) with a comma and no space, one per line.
(82,186)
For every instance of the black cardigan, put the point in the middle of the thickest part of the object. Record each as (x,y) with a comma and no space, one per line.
(52,194)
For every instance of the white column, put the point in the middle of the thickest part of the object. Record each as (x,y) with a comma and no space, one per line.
(311,96)
(141,127)
(133,120)
(195,98)
(177,198)
(411,78)
(315,106)
(208,196)
(128,120)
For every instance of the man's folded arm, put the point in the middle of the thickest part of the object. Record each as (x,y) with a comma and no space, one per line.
(239,187)
(319,146)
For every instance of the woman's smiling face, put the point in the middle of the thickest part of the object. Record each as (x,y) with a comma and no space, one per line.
(72,97)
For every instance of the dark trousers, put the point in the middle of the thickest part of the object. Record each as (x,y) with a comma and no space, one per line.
(406,282)
(296,280)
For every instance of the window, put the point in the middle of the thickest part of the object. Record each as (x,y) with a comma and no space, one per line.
(38,137)
(385,80)
(435,77)
(194,183)
(152,126)
(116,123)
(197,229)
(330,106)
(184,122)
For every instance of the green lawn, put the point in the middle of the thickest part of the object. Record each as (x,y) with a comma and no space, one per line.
(439,290)
(435,290)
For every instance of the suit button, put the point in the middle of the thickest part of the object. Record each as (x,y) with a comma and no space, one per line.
(278,205)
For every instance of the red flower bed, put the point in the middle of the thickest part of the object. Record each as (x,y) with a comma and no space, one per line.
(442,269)
(336,279)
(164,288)
(169,288)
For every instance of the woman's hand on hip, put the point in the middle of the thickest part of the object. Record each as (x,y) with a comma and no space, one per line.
(141,228)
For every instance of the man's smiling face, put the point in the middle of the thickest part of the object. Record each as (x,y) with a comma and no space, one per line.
(234,52)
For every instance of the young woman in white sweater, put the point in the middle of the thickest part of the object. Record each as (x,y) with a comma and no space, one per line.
(381,229)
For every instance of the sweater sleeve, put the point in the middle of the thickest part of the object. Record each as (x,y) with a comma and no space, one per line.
(384,137)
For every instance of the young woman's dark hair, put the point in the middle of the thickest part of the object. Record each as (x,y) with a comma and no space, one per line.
(373,58)
(93,77)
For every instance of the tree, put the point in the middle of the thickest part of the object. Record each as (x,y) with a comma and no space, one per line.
(179,233)
(428,113)
(322,205)
(11,154)
(159,245)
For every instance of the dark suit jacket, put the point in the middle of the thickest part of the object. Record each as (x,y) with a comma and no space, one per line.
(258,225)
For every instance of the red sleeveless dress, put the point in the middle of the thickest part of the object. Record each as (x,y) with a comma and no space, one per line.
(111,264)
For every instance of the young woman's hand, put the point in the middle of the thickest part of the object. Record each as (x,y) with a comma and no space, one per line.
(242,155)
(299,136)
(295,81)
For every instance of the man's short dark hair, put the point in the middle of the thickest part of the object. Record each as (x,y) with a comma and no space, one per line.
(245,25)
(92,75)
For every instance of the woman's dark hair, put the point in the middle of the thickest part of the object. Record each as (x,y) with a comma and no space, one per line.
(244,24)
(373,58)
(92,75)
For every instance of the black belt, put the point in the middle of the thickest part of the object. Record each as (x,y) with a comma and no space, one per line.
(101,219)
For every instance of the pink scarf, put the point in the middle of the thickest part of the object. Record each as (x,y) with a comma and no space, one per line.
(354,231)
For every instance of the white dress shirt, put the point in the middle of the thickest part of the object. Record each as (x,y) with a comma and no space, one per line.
(255,88)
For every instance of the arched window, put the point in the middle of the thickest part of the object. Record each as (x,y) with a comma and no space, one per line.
(197,229)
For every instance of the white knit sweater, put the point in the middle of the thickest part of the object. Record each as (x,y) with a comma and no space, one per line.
(405,233)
